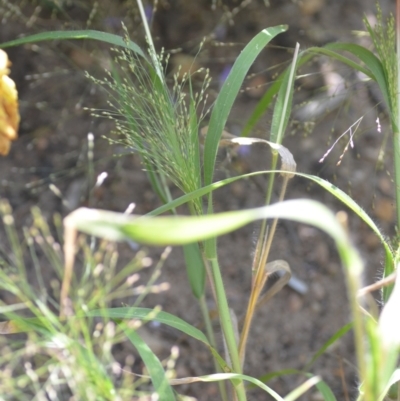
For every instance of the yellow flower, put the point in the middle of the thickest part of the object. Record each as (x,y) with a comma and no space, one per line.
(9,114)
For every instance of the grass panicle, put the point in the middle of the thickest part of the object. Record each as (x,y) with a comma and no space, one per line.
(384,39)
(158,123)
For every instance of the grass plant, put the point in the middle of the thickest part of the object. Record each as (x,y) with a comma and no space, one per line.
(65,358)
(162,125)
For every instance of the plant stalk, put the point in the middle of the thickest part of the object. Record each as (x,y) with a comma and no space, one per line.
(211,338)
(227,327)
(149,38)
(264,245)
(396,136)
(396,151)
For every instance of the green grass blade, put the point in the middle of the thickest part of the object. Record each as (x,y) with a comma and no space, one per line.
(257,383)
(390,389)
(330,50)
(373,66)
(153,365)
(268,97)
(232,376)
(147,314)
(350,203)
(283,104)
(340,333)
(195,269)
(150,314)
(300,390)
(227,96)
(19,325)
(326,391)
(284,372)
(74,35)
(323,388)
(335,191)
(118,233)
(327,51)
(179,230)
(262,106)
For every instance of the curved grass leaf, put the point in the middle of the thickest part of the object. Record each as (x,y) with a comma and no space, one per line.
(147,314)
(19,325)
(340,333)
(82,34)
(300,390)
(234,376)
(183,230)
(390,389)
(279,373)
(334,190)
(153,365)
(351,204)
(180,230)
(374,68)
(118,227)
(323,388)
(227,96)
(325,391)
(331,51)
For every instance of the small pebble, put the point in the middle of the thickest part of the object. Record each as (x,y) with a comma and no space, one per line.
(311,7)
(316,307)
(318,290)
(295,302)
(371,240)
(385,185)
(82,58)
(384,210)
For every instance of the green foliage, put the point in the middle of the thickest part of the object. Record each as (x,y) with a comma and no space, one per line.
(76,35)
(155,123)
(229,91)
(384,39)
(69,357)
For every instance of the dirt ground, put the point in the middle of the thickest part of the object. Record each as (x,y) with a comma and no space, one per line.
(52,149)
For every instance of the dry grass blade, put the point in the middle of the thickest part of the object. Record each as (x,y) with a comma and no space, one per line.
(70,234)
(378,285)
(271,268)
(228,140)
(277,266)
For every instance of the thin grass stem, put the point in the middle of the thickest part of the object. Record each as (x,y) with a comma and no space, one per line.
(259,279)
(396,136)
(211,338)
(227,327)
(149,38)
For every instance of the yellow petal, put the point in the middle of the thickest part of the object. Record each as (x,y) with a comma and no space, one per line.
(9,114)
(9,108)
(4,63)
(4,146)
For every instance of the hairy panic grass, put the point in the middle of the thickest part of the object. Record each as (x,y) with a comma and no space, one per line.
(158,123)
